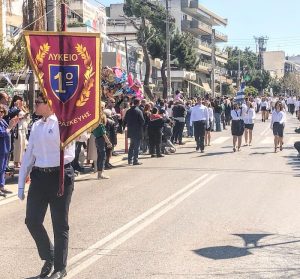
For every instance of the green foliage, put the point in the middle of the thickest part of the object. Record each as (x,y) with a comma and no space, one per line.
(290,83)
(276,85)
(248,59)
(260,79)
(250,90)
(12,59)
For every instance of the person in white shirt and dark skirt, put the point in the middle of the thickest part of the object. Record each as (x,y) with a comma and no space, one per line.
(277,124)
(200,120)
(210,125)
(42,161)
(237,126)
(249,123)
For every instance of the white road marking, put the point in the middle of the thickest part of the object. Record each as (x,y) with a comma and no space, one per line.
(220,140)
(170,203)
(101,242)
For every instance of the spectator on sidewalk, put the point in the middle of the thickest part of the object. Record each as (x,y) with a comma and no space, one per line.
(135,121)
(155,133)
(112,136)
(5,130)
(81,141)
(179,113)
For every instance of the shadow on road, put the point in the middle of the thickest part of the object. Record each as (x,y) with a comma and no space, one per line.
(231,252)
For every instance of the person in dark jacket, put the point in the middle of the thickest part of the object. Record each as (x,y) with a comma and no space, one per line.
(179,113)
(112,136)
(135,121)
(155,126)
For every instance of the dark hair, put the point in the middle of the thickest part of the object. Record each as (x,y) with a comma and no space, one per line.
(278,103)
(154,110)
(42,96)
(14,99)
(136,102)
(2,95)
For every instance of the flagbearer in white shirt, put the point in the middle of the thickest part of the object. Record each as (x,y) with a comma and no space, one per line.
(249,122)
(42,161)
(200,120)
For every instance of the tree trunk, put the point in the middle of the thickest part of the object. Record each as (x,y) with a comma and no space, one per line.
(147,89)
(164,79)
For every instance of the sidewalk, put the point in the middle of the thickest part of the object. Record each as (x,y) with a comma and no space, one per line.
(12,182)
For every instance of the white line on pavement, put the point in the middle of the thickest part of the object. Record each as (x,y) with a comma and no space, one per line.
(101,242)
(170,203)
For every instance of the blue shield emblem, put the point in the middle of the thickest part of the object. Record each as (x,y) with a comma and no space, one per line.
(64,81)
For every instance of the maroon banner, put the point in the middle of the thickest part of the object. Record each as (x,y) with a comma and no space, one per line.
(68,69)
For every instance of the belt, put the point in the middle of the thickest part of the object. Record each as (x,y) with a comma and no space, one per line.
(51,169)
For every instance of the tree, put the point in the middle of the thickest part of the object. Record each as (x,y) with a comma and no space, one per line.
(12,60)
(276,85)
(251,91)
(153,21)
(182,51)
(248,61)
(259,79)
(290,83)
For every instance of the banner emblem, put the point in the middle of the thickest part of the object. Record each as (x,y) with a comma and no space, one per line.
(67,66)
(64,81)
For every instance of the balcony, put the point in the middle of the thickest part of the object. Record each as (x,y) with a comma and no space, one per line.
(203,67)
(206,49)
(180,75)
(220,37)
(199,12)
(196,27)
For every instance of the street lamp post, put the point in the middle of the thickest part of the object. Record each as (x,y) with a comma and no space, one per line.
(168,49)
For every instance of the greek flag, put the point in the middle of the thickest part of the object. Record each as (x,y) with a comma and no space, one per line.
(240,95)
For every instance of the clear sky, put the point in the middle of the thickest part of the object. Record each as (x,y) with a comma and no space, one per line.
(278,20)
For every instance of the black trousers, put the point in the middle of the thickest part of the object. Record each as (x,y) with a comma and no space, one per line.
(78,147)
(101,153)
(199,133)
(297,146)
(177,131)
(43,192)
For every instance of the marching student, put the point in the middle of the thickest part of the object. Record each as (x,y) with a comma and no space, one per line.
(237,126)
(249,122)
(200,120)
(264,108)
(42,161)
(277,124)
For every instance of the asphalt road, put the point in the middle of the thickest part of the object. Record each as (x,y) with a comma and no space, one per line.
(189,215)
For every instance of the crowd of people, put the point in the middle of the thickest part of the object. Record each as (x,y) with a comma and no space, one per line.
(154,128)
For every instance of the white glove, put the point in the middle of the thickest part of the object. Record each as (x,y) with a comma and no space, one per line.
(21,194)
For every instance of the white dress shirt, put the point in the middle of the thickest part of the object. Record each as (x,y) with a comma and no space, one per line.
(199,112)
(236,114)
(264,104)
(44,148)
(211,114)
(278,116)
(249,116)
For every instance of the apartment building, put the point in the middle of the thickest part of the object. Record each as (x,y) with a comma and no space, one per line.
(190,16)
(11,17)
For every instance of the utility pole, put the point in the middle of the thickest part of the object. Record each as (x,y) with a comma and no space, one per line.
(51,15)
(213,64)
(63,16)
(168,49)
(238,82)
(261,46)
(126,53)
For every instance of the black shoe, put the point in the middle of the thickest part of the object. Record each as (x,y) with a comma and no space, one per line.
(4,191)
(202,151)
(58,274)
(130,163)
(197,148)
(152,156)
(107,167)
(46,269)
(160,155)
(137,163)
(2,195)
(181,143)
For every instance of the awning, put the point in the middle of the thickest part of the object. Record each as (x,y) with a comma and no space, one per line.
(206,87)
(196,84)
